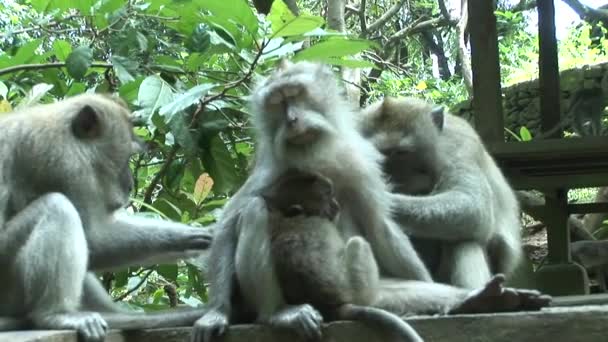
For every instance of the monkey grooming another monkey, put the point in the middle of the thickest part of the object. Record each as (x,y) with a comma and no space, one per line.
(450,195)
(303,121)
(64,173)
(312,262)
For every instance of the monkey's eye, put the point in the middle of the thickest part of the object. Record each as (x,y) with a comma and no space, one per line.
(294,210)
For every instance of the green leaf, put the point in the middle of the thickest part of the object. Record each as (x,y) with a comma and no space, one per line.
(83,5)
(525,134)
(123,68)
(200,40)
(349,63)
(40,5)
(128,91)
(237,11)
(333,48)
(62,49)
(76,88)
(3,90)
(121,278)
(79,61)
(220,165)
(108,6)
(26,52)
(285,24)
(187,99)
(169,272)
(34,95)
(180,128)
(154,93)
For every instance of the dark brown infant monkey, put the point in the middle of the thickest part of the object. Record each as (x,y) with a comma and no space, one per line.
(313,264)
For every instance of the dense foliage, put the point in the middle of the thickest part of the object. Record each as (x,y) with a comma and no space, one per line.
(186,67)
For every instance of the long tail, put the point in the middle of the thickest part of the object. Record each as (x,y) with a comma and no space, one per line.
(382,318)
(164,319)
(126,321)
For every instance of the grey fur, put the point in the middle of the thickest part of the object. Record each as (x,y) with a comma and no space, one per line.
(450,193)
(63,174)
(303,122)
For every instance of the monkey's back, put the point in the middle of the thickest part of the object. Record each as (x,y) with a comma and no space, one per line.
(307,252)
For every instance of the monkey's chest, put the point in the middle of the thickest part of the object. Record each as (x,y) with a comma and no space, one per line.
(310,270)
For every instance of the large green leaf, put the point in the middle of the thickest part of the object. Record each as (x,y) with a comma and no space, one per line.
(169,272)
(220,165)
(333,48)
(285,24)
(187,99)
(62,49)
(237,11)
(154,93)
(26,53)
(79,61)
(180,128)
(124,68)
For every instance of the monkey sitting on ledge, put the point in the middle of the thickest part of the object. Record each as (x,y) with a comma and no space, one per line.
(63,175)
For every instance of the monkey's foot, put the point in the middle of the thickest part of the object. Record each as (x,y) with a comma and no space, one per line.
(494,297)
(90,326)
(213,324)
(303,319)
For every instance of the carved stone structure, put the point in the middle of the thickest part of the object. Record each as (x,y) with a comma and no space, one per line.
(521,101)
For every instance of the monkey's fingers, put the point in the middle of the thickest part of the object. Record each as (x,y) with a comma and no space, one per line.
(211,325)
(91,328)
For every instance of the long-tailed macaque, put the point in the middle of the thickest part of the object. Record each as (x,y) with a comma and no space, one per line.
(64,173)
(303,121)
(450,195)
(313,263)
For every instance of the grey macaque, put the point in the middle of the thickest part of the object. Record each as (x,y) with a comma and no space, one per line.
(450,196)
(303,121)
(63,176)
(314,265)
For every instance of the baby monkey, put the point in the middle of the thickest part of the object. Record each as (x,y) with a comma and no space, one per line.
(313,264)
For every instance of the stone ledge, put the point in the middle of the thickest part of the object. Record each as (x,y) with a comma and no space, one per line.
(579,323)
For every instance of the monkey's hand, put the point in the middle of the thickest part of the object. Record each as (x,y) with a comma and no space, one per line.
(90,326)
(303,319)
(213,324)
(494,297)
(196,239)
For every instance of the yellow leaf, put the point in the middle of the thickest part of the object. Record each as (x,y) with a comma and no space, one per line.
(203,186)
(421,85)
(5,106)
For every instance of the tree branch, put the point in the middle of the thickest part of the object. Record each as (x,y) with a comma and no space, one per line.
(418,27)
(42,66)
(362,20)
(386,16)
(444,10)
(467,74)
(587,13)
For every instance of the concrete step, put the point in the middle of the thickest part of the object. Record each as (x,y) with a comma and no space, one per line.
(585,323)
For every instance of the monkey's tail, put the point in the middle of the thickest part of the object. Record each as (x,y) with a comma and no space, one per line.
(381,318)
(164,319)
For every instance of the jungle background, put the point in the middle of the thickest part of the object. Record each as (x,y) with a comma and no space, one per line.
(186,67)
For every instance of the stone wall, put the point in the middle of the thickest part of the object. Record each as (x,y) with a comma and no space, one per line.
(521,102)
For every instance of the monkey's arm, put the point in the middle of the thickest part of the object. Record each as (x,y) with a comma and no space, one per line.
(222,273)
(127,240)
(458,213)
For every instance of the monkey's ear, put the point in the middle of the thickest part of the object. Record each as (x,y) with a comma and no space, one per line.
(86,124)
(438,117)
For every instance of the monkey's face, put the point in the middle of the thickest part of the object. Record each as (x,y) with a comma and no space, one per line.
(102,127)
(406,131)
(293,105)
(297,193)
